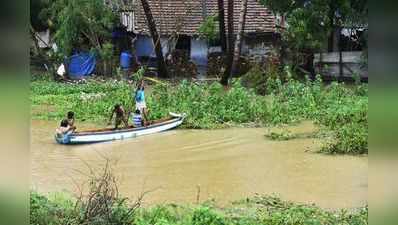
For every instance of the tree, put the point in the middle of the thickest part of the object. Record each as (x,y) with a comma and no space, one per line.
(238,42)
(221,23)
(39,14)
(312,24)
(208,29)
(230,53)
(156,39)
(81,24)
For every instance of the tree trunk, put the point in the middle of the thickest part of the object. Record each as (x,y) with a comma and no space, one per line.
(331,15)
(33,36)
(156,39)
(221,23)
(225,77)
(238,42)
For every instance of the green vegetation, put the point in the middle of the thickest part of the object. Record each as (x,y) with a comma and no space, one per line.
(75,26)
(208,29)
(62,209)
(80,24)
(281,136)
(91,101)
(338,108)
(208,106)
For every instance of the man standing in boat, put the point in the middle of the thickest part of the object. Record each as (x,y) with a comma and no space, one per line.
(120,116)
(140,100)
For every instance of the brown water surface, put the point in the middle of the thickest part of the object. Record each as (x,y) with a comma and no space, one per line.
(227,164)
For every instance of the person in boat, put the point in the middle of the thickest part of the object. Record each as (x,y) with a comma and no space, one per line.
(140,100)
(71,118)
(137,119)
(64,128)
(120,116)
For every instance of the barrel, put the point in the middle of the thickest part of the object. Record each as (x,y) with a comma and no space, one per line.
(125,60)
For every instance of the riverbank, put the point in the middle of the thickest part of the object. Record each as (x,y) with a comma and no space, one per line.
(60,208)
(100,201)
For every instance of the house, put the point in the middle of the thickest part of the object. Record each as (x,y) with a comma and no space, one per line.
(345,57)
(178,22)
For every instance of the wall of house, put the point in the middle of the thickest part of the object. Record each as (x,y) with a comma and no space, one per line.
(328,64)
(257,48)
(206,59)
(199,55)
(254,50)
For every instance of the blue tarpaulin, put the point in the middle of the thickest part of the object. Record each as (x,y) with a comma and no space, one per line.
(81,65)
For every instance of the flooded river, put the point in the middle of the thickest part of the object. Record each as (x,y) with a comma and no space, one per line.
(227,164)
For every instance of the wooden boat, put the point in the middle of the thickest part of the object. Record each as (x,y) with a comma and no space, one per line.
(103,135)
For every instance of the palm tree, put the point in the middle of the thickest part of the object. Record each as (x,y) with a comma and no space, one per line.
(230,20)
(221,23)
(156,39)
(238,43)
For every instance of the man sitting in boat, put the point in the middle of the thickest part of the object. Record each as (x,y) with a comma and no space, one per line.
(137,119)
(120,116)
(71,118)
(64,128)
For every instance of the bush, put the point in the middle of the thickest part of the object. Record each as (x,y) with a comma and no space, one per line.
(207,216)
(100,205)
(50,211)
(208,106)
(351,138)
(257,77)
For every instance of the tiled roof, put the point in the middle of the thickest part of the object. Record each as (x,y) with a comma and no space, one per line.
(186,16)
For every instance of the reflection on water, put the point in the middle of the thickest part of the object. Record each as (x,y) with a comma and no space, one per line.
(228,164)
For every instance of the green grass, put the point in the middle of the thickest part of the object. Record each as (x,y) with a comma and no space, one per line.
(259,210)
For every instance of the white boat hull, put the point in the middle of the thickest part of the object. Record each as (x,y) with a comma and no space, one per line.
(85,138)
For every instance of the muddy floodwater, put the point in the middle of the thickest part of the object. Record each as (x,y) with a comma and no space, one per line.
(226,165)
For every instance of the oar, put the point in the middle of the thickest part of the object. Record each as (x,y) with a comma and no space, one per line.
(154,80)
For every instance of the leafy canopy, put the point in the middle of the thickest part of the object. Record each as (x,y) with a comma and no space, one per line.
(208,29)
(81,24)
(310,22)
